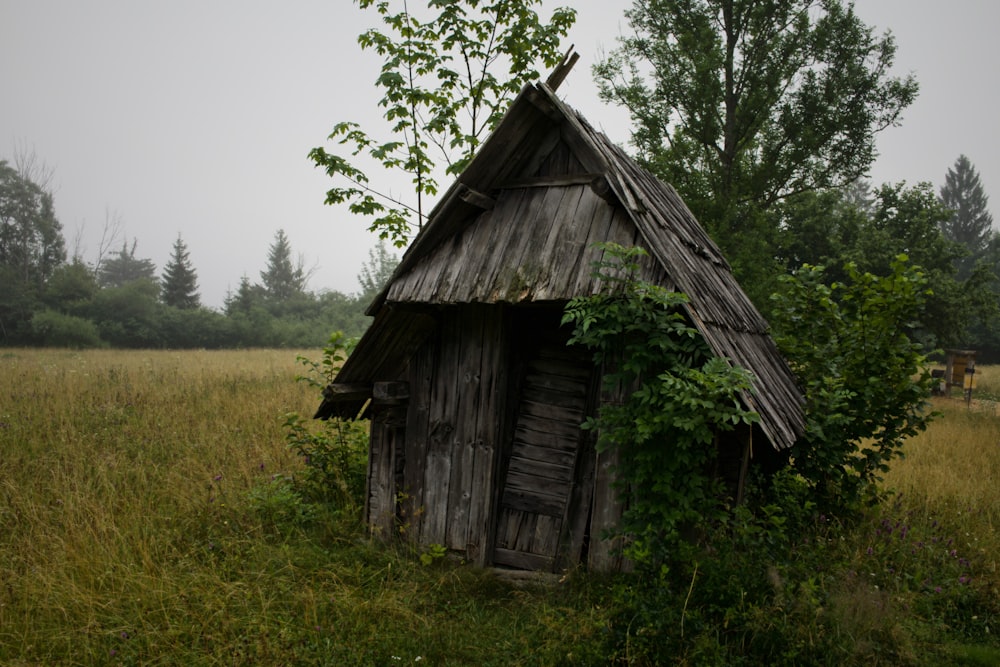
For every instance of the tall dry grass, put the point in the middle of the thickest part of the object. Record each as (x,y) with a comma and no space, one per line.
(952,470)
(130,530)
(141,522)
(109,461)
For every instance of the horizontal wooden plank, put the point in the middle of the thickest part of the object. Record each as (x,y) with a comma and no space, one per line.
(558,399)
(560,456)
(534,501)
(560,368)
(542,471)
(573,415)
(529,425)
(522,560)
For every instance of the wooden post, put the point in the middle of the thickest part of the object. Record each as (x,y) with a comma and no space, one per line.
(385,462)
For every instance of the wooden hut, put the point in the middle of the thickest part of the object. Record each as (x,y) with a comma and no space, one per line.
(474,397)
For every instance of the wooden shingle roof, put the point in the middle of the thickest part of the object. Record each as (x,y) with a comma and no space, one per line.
(519,224)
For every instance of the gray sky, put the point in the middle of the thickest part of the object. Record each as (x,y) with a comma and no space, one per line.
(195,116)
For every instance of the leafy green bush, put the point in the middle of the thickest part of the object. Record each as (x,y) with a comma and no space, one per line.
(335,451)
(58,330)
(664,430)
(866,382)
(773,580)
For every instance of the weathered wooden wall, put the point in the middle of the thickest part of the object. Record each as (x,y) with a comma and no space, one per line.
(457,382)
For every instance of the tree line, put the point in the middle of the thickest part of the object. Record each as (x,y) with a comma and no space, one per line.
(52,298)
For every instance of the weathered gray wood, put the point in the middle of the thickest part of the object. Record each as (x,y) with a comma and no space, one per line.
(558,179)
(393,391)
(523,561)
(477,199)
(489,428)
(540,471)
(604,554)
(531,500)
(576,526)
(479,415)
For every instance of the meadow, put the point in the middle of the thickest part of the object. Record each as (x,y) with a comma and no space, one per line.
(151,513)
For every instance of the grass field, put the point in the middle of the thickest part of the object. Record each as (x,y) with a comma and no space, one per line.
(146,517)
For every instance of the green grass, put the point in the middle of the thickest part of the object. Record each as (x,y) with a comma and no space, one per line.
(147,517)
(132,531)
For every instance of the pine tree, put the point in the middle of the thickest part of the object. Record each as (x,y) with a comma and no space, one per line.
(971,223)
(180,283)
(124,267)
(282,279)
(375,273)
(244,299)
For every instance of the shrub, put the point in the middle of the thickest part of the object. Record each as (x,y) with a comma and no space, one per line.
(866,382)
(58,330)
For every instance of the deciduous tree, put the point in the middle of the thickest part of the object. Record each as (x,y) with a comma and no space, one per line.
(375,273)
(450,70)
(740,103)
(31,248)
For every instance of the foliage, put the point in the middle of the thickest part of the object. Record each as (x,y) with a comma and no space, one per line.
(442,94)
(739,104)
(53,329)
(31,248)
(336,453)
(71,287)
(280,505)
(832,228)
(780,583)
(180,281)
(31,242)
(376,272)
(124,267)
(866,382)
(679,397)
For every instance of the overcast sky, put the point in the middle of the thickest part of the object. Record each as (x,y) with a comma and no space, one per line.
(195,117)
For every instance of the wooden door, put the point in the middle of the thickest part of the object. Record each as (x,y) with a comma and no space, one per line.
(543,467)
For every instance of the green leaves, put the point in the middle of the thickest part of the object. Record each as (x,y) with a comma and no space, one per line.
(449,72)
(674,399)
(742,103)
(866,382)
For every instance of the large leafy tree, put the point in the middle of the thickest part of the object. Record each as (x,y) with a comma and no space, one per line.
(450,70)
(31,240)
(31,248)
(970,223)
(741,103)
(179,286)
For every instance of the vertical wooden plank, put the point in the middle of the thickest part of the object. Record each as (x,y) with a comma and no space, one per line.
(443,416)
(377,465)
(604,554)
(387,437)
(488,429)
(576,523)
(421,373)
(466,409)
